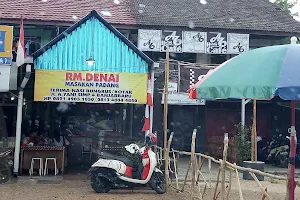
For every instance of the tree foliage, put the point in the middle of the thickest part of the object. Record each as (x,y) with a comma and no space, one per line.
(287,5)
(242,142)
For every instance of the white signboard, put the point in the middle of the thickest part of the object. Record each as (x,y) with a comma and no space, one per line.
(216,43)
(175,98)
(13,76)
(4,78)
(172,87)
(179,41)
(149,40)
(171,40)
(194,41)
(237,43)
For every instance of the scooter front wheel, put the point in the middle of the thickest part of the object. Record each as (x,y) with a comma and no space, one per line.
(158,182)
(100,184)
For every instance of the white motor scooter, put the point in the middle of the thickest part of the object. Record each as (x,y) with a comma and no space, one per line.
(121,172)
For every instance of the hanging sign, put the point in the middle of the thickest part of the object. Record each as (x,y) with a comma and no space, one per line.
(149,40)
(90,87)
(176,98)
(6,40)
(194,42)
(189,76)
(216,43)
(4,78)
(171,40)
(237,43)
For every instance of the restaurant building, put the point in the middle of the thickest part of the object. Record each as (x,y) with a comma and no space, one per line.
(88,82)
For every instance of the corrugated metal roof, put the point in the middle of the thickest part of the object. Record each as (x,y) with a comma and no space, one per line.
(92,37)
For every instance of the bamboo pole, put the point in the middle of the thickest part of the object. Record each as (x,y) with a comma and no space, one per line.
(175,169)
(209,172)
(254,135)
(193,161)
(166,116)
(186,175)
(167,158)
(223,166)
(264,196)
(260,186)
(230,165)
(238,182)
(230,183)
(199,167)
(216,188)
(196,178)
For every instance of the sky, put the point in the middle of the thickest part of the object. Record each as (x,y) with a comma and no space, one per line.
(296,9)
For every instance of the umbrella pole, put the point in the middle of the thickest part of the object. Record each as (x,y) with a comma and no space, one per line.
(291,167)
(254,135)
(166,117)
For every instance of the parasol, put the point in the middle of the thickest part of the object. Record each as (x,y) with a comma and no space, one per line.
(258,74)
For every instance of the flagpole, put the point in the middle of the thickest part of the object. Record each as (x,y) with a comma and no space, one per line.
(166,117)
(19,120)
(152,95)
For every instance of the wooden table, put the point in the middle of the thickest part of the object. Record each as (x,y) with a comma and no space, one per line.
(27,153)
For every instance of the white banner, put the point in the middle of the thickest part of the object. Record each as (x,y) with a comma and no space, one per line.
(149,40)
(176,98)
(237,43)
(4,78)
(194,41)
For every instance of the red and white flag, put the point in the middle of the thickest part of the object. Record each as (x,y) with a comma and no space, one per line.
(21,47)
(149,105)
(149,91)
(146,126)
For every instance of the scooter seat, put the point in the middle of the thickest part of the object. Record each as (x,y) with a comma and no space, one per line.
(123,159)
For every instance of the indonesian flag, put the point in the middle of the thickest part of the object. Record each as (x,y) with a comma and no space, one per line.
(21,47)
(149,104)
(149,95)
(146,126)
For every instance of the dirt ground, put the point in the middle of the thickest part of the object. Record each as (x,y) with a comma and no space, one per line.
(70,189)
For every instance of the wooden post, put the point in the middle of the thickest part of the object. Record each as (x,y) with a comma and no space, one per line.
(193,161)
(166,115)
(253,135)
(223,166)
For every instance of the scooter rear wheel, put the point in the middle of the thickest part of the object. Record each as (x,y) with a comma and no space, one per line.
(100,184)
(158,183)
(5,172)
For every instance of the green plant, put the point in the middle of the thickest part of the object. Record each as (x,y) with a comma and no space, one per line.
(242,143)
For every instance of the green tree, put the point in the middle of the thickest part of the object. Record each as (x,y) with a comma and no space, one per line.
(286,5)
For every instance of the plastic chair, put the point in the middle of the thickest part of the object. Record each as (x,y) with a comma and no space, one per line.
(32,165)
(46,165)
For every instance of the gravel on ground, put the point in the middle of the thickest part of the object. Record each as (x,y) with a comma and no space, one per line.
(79,189)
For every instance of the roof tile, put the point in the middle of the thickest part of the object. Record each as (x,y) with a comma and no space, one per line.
(260,15)
(64,10)
(257,15)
